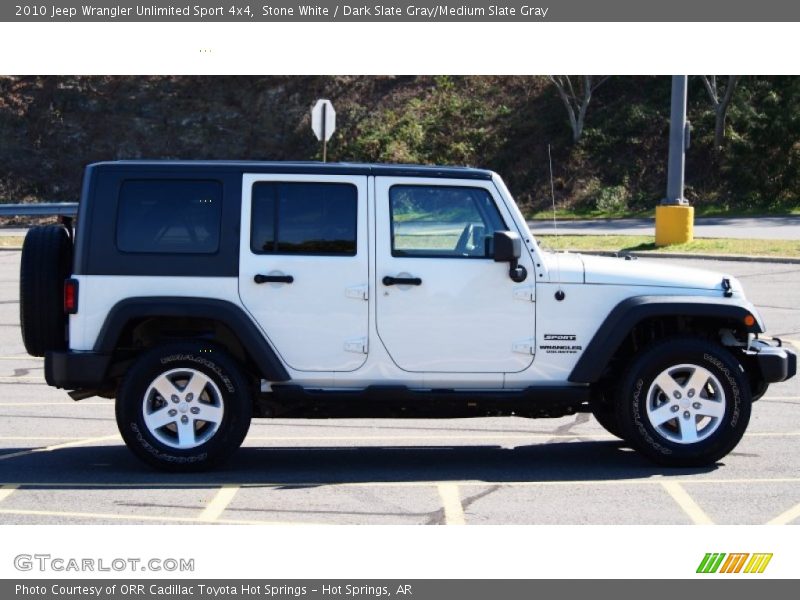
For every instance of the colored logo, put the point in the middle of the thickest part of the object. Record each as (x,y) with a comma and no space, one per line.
(741,562)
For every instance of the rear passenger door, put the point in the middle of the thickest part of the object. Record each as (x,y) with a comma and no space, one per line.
(303,267)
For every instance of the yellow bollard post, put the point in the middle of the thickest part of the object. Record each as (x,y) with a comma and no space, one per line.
(674,224)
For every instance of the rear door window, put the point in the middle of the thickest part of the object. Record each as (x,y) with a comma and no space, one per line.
(304,218)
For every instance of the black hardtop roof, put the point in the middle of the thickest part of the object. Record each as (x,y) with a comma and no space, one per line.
(299,167)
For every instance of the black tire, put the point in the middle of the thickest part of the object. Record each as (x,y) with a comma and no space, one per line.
(605,413)
(46,263)
(157,448)
(728,383)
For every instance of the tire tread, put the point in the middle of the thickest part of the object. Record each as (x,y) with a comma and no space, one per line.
(666,453)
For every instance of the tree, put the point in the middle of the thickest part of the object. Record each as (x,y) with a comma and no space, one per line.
(720,100)
(576,98)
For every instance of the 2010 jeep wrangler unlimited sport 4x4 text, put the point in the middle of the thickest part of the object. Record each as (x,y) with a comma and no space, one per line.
(201,294)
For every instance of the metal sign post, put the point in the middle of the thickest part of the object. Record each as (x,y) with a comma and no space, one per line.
(323,123)
(325,141)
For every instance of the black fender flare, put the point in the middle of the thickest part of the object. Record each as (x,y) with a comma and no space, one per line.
(632,311)
(231,315)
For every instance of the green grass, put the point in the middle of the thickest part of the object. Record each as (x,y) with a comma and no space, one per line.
(699,211)
(426,242)
(716,211)
(643,243)
(569,215)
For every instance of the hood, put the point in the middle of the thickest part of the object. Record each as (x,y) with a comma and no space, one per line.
(619,271)
(564,267)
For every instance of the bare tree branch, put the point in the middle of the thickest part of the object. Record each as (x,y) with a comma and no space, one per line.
(576,99)
(720,105)
(711,88)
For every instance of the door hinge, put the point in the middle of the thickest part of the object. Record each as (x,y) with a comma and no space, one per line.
(360,292)
(358,345)
(523,346)
(525,292)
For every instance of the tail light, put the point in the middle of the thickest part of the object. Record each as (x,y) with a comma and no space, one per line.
(71,296)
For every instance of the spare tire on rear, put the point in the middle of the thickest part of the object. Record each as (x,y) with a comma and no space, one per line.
(46,263)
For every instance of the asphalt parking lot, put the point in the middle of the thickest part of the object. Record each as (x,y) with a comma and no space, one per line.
(62,462)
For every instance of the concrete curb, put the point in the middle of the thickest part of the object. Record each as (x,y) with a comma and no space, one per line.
(729,257)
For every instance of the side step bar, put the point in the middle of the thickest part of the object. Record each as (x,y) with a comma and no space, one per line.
(393,402)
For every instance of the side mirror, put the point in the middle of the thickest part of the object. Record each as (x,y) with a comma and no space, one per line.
(508,248)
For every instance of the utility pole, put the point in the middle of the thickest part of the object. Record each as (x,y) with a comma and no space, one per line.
(676,167)
(674,216)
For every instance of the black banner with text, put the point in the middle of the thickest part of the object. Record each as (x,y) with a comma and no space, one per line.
(375,589)
(405,10)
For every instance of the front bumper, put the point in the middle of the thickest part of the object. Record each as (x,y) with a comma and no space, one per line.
(776,363)
(76,370)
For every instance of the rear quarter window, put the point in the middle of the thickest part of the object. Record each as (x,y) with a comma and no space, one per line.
(169,216)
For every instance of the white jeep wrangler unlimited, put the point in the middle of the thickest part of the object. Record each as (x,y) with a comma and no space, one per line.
(201,294)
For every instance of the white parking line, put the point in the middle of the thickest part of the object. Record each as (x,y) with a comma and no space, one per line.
(60,446)
(6,491)
(218,504)
(98,403)
(685,501)
(34,438)
(449,493)
(786,517)
(451,501)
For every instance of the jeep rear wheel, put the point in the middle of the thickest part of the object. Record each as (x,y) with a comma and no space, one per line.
(684,402)
(46,262)
(184,407)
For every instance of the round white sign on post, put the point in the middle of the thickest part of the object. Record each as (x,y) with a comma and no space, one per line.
(323,120)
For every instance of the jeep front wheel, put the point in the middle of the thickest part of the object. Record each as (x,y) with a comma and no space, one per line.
(684,402)
(184,407)
(605,414)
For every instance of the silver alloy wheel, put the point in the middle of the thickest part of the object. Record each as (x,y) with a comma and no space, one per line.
(183,408)
(685,404)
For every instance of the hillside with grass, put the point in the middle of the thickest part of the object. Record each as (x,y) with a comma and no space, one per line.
(51,127)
